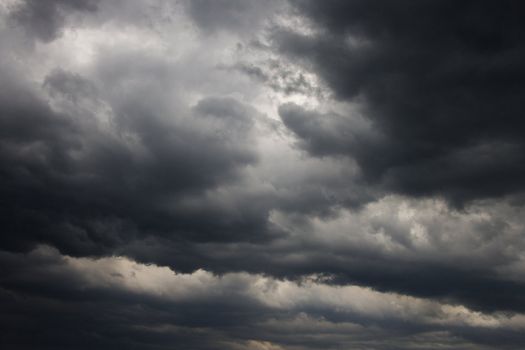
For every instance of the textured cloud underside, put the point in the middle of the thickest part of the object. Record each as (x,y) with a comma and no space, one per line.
(262,174)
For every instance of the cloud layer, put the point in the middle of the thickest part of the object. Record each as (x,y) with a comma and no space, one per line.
(250,175)
(439,81)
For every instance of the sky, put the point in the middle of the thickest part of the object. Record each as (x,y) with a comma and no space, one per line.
(262,174)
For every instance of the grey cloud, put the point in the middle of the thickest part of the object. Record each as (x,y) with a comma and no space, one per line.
(278,77)
(437,79)
(70,86)
(152,194)
(44,19)
(422,249)
(86,189)
(237,16)
(328,133)
(140,306)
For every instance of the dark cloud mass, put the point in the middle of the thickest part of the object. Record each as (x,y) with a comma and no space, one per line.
(71,179)
(441,80)
(262,175)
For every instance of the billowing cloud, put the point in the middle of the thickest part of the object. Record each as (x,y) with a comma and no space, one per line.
(439,81)
(180,305)
(261,175)
(44,20)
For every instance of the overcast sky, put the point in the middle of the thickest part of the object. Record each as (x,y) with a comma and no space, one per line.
(262,174)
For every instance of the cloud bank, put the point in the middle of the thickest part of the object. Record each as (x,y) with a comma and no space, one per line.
(249,175)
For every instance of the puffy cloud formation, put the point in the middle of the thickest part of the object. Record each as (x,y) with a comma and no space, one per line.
(261,175)
(440,81)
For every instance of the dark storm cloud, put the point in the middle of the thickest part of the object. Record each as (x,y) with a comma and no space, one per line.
(89,300)
(477,287)
(59,309)
(152,198)
(375,247)
(67,181)
(324,134)
(441,80)
(44,19)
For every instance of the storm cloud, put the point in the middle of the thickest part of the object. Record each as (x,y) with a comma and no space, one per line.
(262,175)
(441,81)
